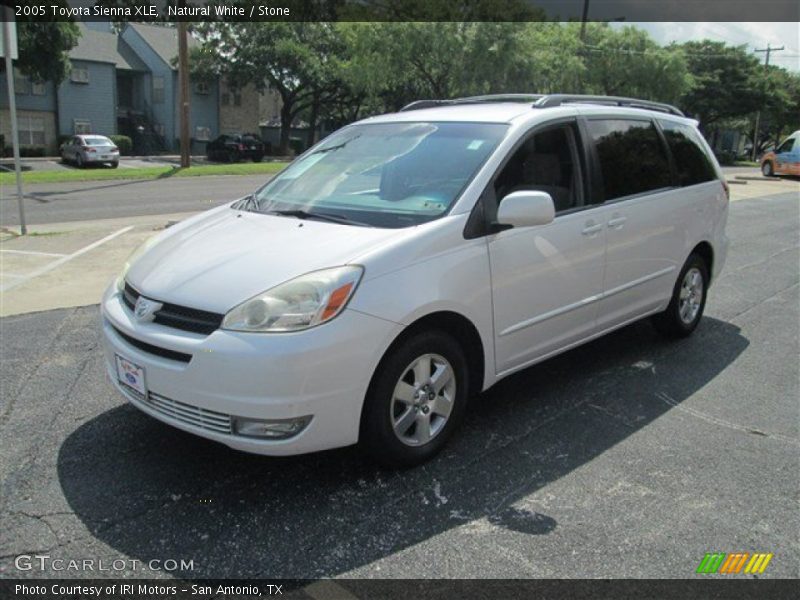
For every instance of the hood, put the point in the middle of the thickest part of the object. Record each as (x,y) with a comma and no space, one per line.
(227,256)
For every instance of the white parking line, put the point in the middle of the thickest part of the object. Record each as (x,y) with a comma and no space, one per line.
(33,253)
(57,263)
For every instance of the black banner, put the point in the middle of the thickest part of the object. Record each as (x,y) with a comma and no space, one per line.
(396,589)
(407,10)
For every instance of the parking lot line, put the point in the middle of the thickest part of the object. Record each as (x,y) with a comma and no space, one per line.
(33,253)
(64,259)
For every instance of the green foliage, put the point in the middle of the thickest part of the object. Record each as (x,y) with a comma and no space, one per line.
(123,142)
(726,82)
(44,49)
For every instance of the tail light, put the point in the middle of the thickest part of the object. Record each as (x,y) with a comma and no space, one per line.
(241,146)
(90,149)
(114,149)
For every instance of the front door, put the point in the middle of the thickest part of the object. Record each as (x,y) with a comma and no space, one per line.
(546,279)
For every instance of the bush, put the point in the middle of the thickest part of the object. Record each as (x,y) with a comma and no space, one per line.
(124,143)
(63,139)
(725,157)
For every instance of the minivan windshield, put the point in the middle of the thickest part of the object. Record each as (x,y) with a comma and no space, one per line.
(382,175)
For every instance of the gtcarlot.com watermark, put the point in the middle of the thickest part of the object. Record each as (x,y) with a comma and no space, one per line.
(45,562)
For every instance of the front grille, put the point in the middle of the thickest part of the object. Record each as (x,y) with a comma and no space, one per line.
(178,317)
(210,420)
(151,349)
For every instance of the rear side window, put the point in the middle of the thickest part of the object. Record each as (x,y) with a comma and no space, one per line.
(691,160)
(632,158)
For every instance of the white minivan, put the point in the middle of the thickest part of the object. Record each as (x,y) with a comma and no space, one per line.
(410,261)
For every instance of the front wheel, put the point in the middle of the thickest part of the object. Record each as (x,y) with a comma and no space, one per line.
(415,401)
(767,169)
(688,301)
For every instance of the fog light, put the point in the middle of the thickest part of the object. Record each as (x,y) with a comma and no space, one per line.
(273,429)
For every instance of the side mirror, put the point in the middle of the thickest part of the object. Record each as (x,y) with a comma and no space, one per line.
(525,209)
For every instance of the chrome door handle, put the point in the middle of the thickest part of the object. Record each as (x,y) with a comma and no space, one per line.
(617,222)
(592,228)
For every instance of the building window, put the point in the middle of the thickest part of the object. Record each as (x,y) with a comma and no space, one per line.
(226,99)
(158,90)
(79,75)
(38,88)
(201,87)
(81,126)
(237,99)
(31,131)
(202,134)
(22,85)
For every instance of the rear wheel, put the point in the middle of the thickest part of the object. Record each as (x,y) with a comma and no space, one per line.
(233,156)
(114,164)
(79,160)
(416,400)
(767,169)
(688,301)
(258,157)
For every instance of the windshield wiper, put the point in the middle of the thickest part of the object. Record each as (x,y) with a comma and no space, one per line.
(304,214)
(337,146)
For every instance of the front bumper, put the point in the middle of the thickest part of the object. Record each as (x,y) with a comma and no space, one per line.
(323,372)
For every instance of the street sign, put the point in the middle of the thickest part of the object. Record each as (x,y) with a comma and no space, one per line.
(12,38)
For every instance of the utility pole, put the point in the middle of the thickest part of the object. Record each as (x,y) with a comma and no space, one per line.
(183,77)
(582,47)
(768,50)
(8,50)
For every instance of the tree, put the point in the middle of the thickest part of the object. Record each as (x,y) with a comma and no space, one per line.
(627,62)
(300,61)
(726,82)
(58,38)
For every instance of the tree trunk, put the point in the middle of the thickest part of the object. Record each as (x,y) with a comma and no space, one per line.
(286,128)
(312,120)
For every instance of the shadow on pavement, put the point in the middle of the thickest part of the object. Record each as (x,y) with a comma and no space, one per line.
(150,491)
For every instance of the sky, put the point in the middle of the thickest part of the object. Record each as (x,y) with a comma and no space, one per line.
(754,35)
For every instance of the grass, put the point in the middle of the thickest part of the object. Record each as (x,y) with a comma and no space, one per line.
(106,173)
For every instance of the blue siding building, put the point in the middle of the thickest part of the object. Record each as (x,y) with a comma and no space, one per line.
(124,83)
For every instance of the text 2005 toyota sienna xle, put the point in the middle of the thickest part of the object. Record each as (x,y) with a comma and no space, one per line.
(412,260)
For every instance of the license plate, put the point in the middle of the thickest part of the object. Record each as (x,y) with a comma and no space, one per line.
(131,375)
(106,156)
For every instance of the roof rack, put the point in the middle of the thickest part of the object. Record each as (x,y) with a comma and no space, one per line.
(547,101)
(420,104)
(559,99)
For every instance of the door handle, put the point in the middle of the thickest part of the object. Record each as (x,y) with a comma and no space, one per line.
(591,228)
(617,222)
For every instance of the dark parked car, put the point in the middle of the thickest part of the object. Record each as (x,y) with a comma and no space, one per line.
(235,147)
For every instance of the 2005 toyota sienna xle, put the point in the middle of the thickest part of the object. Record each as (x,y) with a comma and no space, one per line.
(411,260)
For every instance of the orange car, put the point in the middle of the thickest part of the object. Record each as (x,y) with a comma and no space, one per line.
(785,159)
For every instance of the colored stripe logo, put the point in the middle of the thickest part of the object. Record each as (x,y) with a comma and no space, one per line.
(734,563)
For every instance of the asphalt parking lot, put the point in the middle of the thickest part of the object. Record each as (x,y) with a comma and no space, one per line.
(628,457)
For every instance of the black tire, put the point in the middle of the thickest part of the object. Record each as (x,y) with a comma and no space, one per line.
(114,164)
(767,169)
(233,156)
(377,437)
(670,323)
(79,161)
(258,158)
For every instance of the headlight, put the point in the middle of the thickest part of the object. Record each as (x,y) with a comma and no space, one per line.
(300,303)
(134,256)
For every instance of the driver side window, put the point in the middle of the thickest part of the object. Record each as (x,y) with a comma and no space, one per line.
(546,162)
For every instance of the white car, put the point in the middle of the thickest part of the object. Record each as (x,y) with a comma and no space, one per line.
(412,260)
(83,150)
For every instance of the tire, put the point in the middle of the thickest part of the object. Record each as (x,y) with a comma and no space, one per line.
(114,165)
(394,430)
(688,300)
(767,169)
(258,158)
(79,160)
(233,156)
